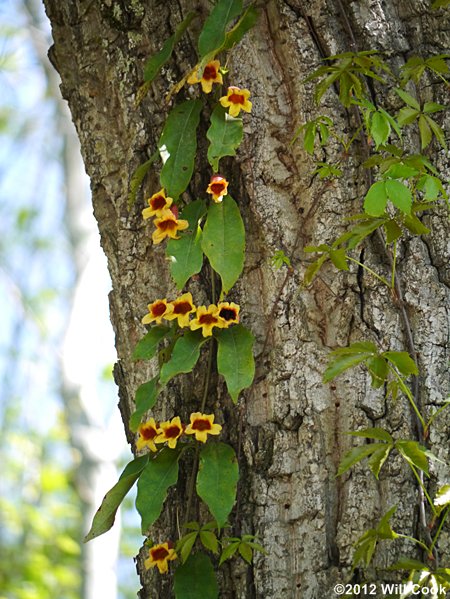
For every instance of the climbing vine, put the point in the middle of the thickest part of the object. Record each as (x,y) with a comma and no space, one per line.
(401,186)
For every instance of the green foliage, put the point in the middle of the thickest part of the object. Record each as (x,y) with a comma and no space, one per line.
(224,134)
(427,126)
(156,62)
(319,128)
(205,533)
(217,479)
(145,399)
(379,193)
(280,258)
(416,66)
(223,241)
(106,513)
(245,546)
(196,578)
(235,360)
(212,36)
(178,145)
(186,257)
(184,356)
(147,347)
(366,544)
(138,176)
(160,473)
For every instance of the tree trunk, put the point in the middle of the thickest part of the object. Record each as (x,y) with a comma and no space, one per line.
(289,428)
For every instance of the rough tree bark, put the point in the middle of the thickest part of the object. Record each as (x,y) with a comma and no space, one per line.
(289,426)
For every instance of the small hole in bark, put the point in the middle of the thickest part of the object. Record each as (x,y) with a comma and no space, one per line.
(287,506)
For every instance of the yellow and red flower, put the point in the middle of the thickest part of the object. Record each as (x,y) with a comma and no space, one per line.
(160,555)
(167,225)
(217,188)
(228,312)
(157,204)
(171,431)
(148,431)
(202,425)
(182,307)
(206,318)
(236,100)
(211,74)
(157,311)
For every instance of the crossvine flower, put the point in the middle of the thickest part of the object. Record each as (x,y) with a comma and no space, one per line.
(167,225)
(206,318)
(157,311)
(148,431)
(236,100)
(160,555)
(228,312)
(157,204)
(182,308)
(202,425)
(211,74)
(217,188)
(171,431)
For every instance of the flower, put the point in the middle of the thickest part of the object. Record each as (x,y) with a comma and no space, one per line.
(157,311)
(202,425)
(229,312)
(182,307)
(210,75)
(237,100)
(206,319)
(167,225)
(158,202)
(159,555)
(147,433)
(171,431)
(217,188)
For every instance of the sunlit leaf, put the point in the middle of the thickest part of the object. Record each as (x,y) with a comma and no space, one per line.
(402,361)
(185,256)
(414,454)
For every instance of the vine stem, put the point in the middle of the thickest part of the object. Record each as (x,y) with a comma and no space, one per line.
(372,272)
(422,486)
(408,394)
(438,532)
(414,540)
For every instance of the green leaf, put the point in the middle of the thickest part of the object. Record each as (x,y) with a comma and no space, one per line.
(425,132)
(378,458)
(402,361)
(373,433)
(106,513)
(146,348)
(137,177)
(185,544)
(414,454)
(209,541)
(193,213)
(380,128)
(186,257)
(357,454)
(212,35)
(313,269)
(401,171)
(406,116)
(439,134)
(246,552)
(145,399)
(384,530)
(413,224)
(245,23)
(224,134)
(229,551)
(430,107)
(156,62)
(399,194)
(407,563)
(339,259)
(442,498)
(345,358)
(235,360)
(440,4)
(217,478)
(408,99)
(431,186)
(223,241)
(376,199)
(196,579)
(184,356)
(178,145)
(393,231)
(378,370)
(159,474)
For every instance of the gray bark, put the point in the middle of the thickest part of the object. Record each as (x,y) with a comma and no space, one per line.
(290,428)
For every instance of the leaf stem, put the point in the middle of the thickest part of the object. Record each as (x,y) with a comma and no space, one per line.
(408,394)
(438,532)
(414,540)
(372,272)
(394,263)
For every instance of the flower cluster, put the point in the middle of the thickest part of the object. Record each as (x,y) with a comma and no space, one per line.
(150,433)
(160,555)
(166,217)
(205,318)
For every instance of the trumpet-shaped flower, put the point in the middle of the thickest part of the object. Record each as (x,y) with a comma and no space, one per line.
(236,100)
(167,225)
(160,555)
(182,307)
(228,312)
(157,311)
(147,434)
(157,204)
(202,425)
(217,188)
(171,431)
(211,74)
(206,318)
